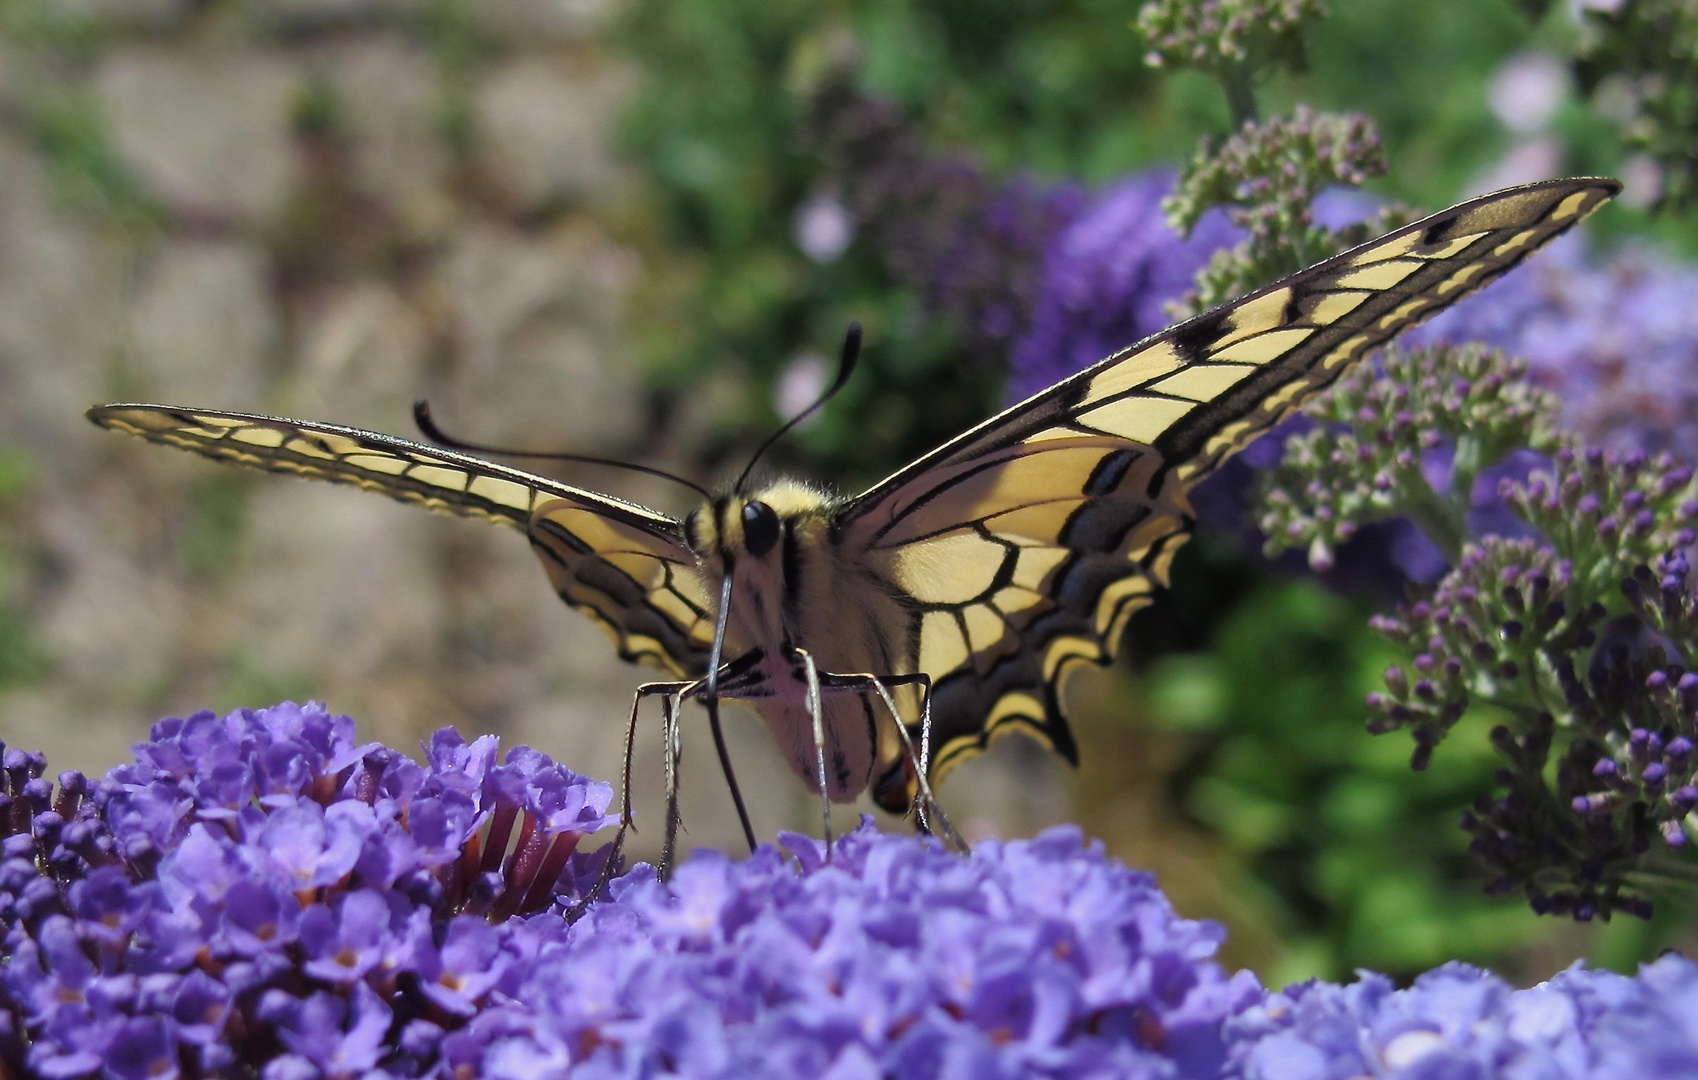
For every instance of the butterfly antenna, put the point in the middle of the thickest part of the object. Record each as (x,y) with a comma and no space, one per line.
(845,368)
(427,425)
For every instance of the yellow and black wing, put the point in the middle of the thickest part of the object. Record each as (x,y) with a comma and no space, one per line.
(1022,547)
(626,566)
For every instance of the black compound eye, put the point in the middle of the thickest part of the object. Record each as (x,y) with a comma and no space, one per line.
(760,528)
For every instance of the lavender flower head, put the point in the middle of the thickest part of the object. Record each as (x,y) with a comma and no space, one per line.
(258,889)
(1039,958)
(1459,1021)
(259,896)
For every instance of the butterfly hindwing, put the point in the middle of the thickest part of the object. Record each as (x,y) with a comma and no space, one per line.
(1023,546)
(624,565)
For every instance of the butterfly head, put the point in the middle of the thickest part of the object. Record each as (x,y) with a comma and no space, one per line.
(741,527)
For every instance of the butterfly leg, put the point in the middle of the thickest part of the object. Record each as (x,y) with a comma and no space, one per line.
(626,822)
(818,715)
(925,803)
(949,832)
(672,737)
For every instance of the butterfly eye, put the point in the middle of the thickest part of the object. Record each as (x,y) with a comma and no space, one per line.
(760,528)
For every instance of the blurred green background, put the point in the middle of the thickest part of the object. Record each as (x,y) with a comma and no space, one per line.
(573,224)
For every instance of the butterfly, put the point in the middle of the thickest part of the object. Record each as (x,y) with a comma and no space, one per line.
(887,637)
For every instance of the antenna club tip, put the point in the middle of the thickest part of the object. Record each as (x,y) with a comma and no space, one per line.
(851,353)
(427,423)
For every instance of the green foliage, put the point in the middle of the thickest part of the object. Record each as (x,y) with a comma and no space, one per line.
(457,47)
(70,133)
(1642,59)
(22,659)
(722,133)
(245,681)
(214,524)
(1422,72)
(1234,41)
(44,23)
(1355,860)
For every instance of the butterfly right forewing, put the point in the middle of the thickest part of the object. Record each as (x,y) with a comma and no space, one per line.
(1022,547)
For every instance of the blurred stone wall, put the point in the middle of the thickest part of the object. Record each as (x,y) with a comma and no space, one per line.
(318,208)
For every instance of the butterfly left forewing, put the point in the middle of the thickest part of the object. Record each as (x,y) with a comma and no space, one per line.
(623,564)
(1025,545)
(647,595)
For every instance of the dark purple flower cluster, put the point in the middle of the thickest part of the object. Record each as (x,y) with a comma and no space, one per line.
(1605,690)
(1491,622)
(1459,1021)
(258,888)
(1632,506)
(1108,279)
(1617,340)
(970,245)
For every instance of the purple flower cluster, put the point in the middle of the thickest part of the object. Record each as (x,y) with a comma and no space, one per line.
(1604,709)
(1108,279)
(257,888)
(1038,958)
(971,246)
(258,896)
(1459,1021)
